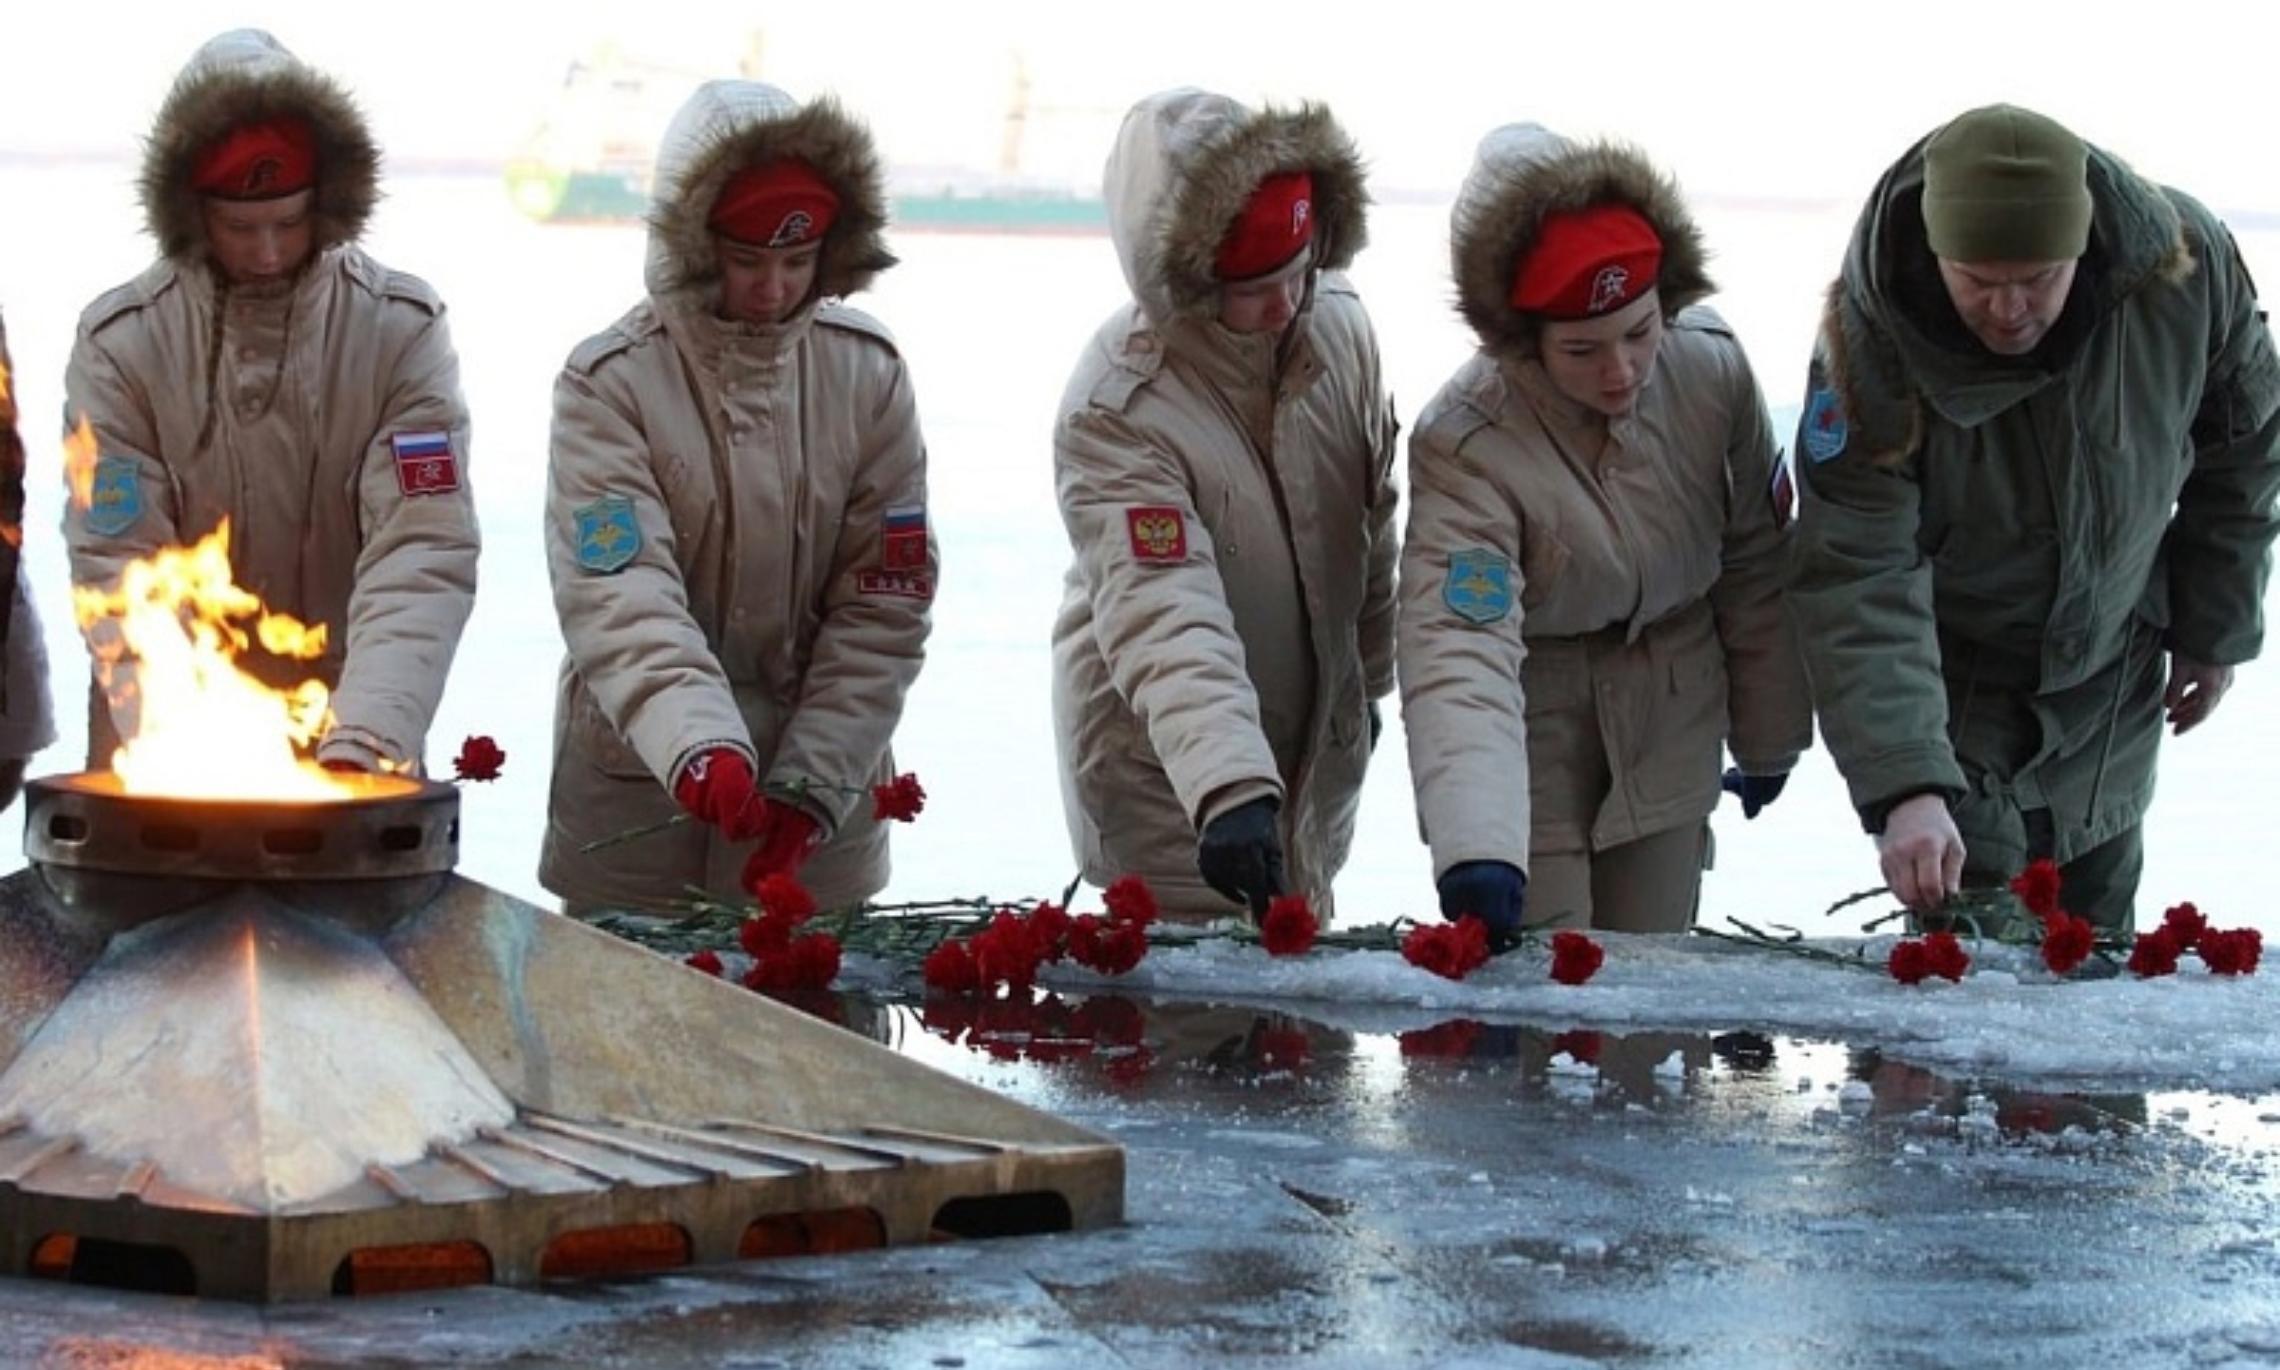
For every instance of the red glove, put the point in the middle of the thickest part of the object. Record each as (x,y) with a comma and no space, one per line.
(716,786)
(789,838)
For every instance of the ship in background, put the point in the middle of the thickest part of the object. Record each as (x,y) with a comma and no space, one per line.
(592,158)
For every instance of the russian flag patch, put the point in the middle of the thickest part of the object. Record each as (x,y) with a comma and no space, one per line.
(902,538)
(425,464)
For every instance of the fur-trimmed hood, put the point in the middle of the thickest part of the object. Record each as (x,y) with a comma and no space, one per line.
(1184,165)
(1879,351)
(237,77)
(1524,173)
(726,126)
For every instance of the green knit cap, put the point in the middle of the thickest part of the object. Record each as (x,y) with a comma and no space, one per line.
(2004,184)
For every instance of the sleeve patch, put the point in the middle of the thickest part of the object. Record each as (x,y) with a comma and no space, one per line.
(114,497)
(608,535)
(425,463)
(902,538)
(895,584)
(1158,533)
(1478,586)
(1823,431)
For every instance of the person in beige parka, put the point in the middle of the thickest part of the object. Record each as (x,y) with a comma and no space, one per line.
(266,371)
(1223,460)
(1592,571)
(737,528)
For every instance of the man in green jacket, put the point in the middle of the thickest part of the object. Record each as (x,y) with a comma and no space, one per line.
(2039,478)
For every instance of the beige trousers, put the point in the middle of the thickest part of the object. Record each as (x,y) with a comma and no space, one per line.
(1651,885)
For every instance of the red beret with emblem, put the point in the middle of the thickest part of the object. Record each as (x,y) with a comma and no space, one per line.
(1276,222)
(1587,262)
(262,160)
(777,204)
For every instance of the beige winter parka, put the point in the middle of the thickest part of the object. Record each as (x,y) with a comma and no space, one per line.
(1228,615)
(323,420)
(737,533)
(1590,607)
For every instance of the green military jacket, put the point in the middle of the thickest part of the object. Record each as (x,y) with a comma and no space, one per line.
(1993,551)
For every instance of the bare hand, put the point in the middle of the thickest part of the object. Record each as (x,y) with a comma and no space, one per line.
(1921,852)
(2195,690)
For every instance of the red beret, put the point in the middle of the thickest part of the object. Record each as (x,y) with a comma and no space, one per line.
(777,204)
(258,161)
(1588,262)
(1276,222)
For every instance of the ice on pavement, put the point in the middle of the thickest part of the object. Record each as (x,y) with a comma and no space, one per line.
(2009,1017)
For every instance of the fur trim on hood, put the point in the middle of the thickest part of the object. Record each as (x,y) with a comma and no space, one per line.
(1875,353)
(1522,174)
(729,125)
(235,78)
(1184,165)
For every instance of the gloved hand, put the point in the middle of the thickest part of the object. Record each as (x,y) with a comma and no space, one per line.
(788,837)
(11,779)
(1240,854)
(716,788)
(1377,726)
(1756,791)
(1492,891)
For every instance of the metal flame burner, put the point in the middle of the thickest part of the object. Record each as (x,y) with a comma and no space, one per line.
(389,827)
(271,1050)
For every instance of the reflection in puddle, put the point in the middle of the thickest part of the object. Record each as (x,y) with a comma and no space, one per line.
(1180,1049)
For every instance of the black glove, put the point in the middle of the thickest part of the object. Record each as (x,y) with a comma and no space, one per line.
(11,779)
(1377,725)
(1492,891)
(1240,854)
(1756,791)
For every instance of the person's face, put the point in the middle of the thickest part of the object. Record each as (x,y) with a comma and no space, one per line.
(2008,306)
(1603,362)
(1266,304)
(256,242)
(765,284)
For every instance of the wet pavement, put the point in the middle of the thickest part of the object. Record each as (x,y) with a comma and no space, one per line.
(1326,1186)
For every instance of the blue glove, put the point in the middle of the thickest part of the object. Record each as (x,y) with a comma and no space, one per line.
(1240,854)
(1492,891)
(1756,791)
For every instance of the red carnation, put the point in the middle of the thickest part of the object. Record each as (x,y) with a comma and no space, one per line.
(950,968)
(900,799)
(2155,953)
(1290,927)
(2037,887)
(1005,953)
(1129,900)
(781,894)
(814,961)
(1580,1045)
(2232,953)
(1908,964)
(2066,942)
(1449,950)
(1281,1048)
(1049,930)
(479,759)
(1107,947)
(1575,958)
(1945,957)
(2185,923)
(1452,1038)
(770,932)
(707,961)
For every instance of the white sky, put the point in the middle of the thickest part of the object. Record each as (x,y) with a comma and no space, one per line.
(1777,99)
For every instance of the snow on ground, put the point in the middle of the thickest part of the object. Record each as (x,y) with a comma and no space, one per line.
(2008,1018)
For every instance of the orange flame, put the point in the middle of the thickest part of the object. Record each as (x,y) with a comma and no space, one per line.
(166,640)
(79,453)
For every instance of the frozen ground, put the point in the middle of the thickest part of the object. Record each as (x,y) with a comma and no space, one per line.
(1381,1186)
